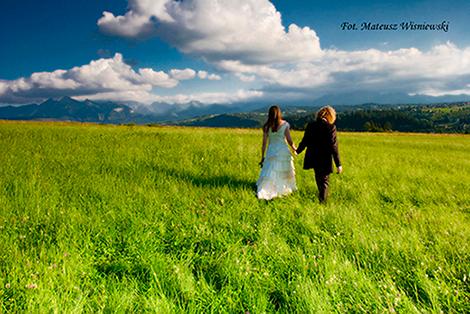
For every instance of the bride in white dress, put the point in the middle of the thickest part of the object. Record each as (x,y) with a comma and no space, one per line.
(277,177)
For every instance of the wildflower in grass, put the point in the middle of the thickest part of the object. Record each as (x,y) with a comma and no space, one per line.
(7,285)
(31,286)
(53,266)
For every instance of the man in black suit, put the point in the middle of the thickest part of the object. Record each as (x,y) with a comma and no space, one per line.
(322,146)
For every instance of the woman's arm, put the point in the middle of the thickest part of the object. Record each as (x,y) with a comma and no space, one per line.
(289,139)
(263,147)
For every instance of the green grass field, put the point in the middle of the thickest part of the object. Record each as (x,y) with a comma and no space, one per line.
(98,218)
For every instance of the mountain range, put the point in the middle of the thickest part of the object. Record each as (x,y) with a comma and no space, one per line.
(69,109)
(246,114)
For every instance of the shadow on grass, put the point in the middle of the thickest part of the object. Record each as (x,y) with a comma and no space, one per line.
(201,180)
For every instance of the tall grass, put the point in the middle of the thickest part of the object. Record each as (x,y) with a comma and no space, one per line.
(133,219)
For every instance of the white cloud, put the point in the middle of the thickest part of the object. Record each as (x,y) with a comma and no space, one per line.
(205,98)
(212,98)
(141,96)
(214,77)
(250,30)
(186,74)
(56,79)
(245,78)
(158,78)
(247,38)
(106,78)
(442,92)
(408,70)
(137,21)
(445,60)
(3,87)
(203,75)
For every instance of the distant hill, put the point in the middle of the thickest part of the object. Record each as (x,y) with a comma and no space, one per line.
(251,119)
(449,118)
(438,118)
(224,120)
(69,109)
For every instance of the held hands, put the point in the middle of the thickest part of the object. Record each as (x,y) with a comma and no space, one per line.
(294,149)
(339,170)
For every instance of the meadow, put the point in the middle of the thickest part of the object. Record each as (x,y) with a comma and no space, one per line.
(102,218)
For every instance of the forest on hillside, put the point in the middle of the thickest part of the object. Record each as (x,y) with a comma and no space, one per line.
(436,118)
(442,119)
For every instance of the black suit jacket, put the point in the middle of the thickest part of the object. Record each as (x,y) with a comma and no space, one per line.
(322,145)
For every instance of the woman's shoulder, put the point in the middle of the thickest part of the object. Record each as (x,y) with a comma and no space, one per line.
(284,125)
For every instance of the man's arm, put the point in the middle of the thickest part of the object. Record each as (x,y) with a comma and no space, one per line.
(305,139)
(334,149)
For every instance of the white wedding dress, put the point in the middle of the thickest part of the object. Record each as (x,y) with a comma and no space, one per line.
(277,177)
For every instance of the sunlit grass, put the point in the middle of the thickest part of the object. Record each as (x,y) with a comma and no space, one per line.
(114,218)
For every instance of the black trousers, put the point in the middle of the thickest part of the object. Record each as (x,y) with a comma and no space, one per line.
(322,184)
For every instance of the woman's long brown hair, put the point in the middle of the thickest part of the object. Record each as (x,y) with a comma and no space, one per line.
(274,119)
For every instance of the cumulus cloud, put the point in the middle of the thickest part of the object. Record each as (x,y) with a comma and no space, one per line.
(212,98)
(245,78)
(247,38)
(408,70)
(203,75)
(179,99)
(181,75)
(3,87)
(99,75)
(157,78)
(106,78)
(251,30)
(138,21)
(214,77)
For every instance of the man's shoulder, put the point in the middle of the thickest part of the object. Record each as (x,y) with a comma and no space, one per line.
(324,124)
(311,124)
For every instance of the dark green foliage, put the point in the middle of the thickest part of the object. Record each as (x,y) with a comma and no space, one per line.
(441,118)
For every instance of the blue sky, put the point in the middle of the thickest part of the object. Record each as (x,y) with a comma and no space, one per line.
(176,52)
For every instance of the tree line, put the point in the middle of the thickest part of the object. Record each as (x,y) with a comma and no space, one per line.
(445,118)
